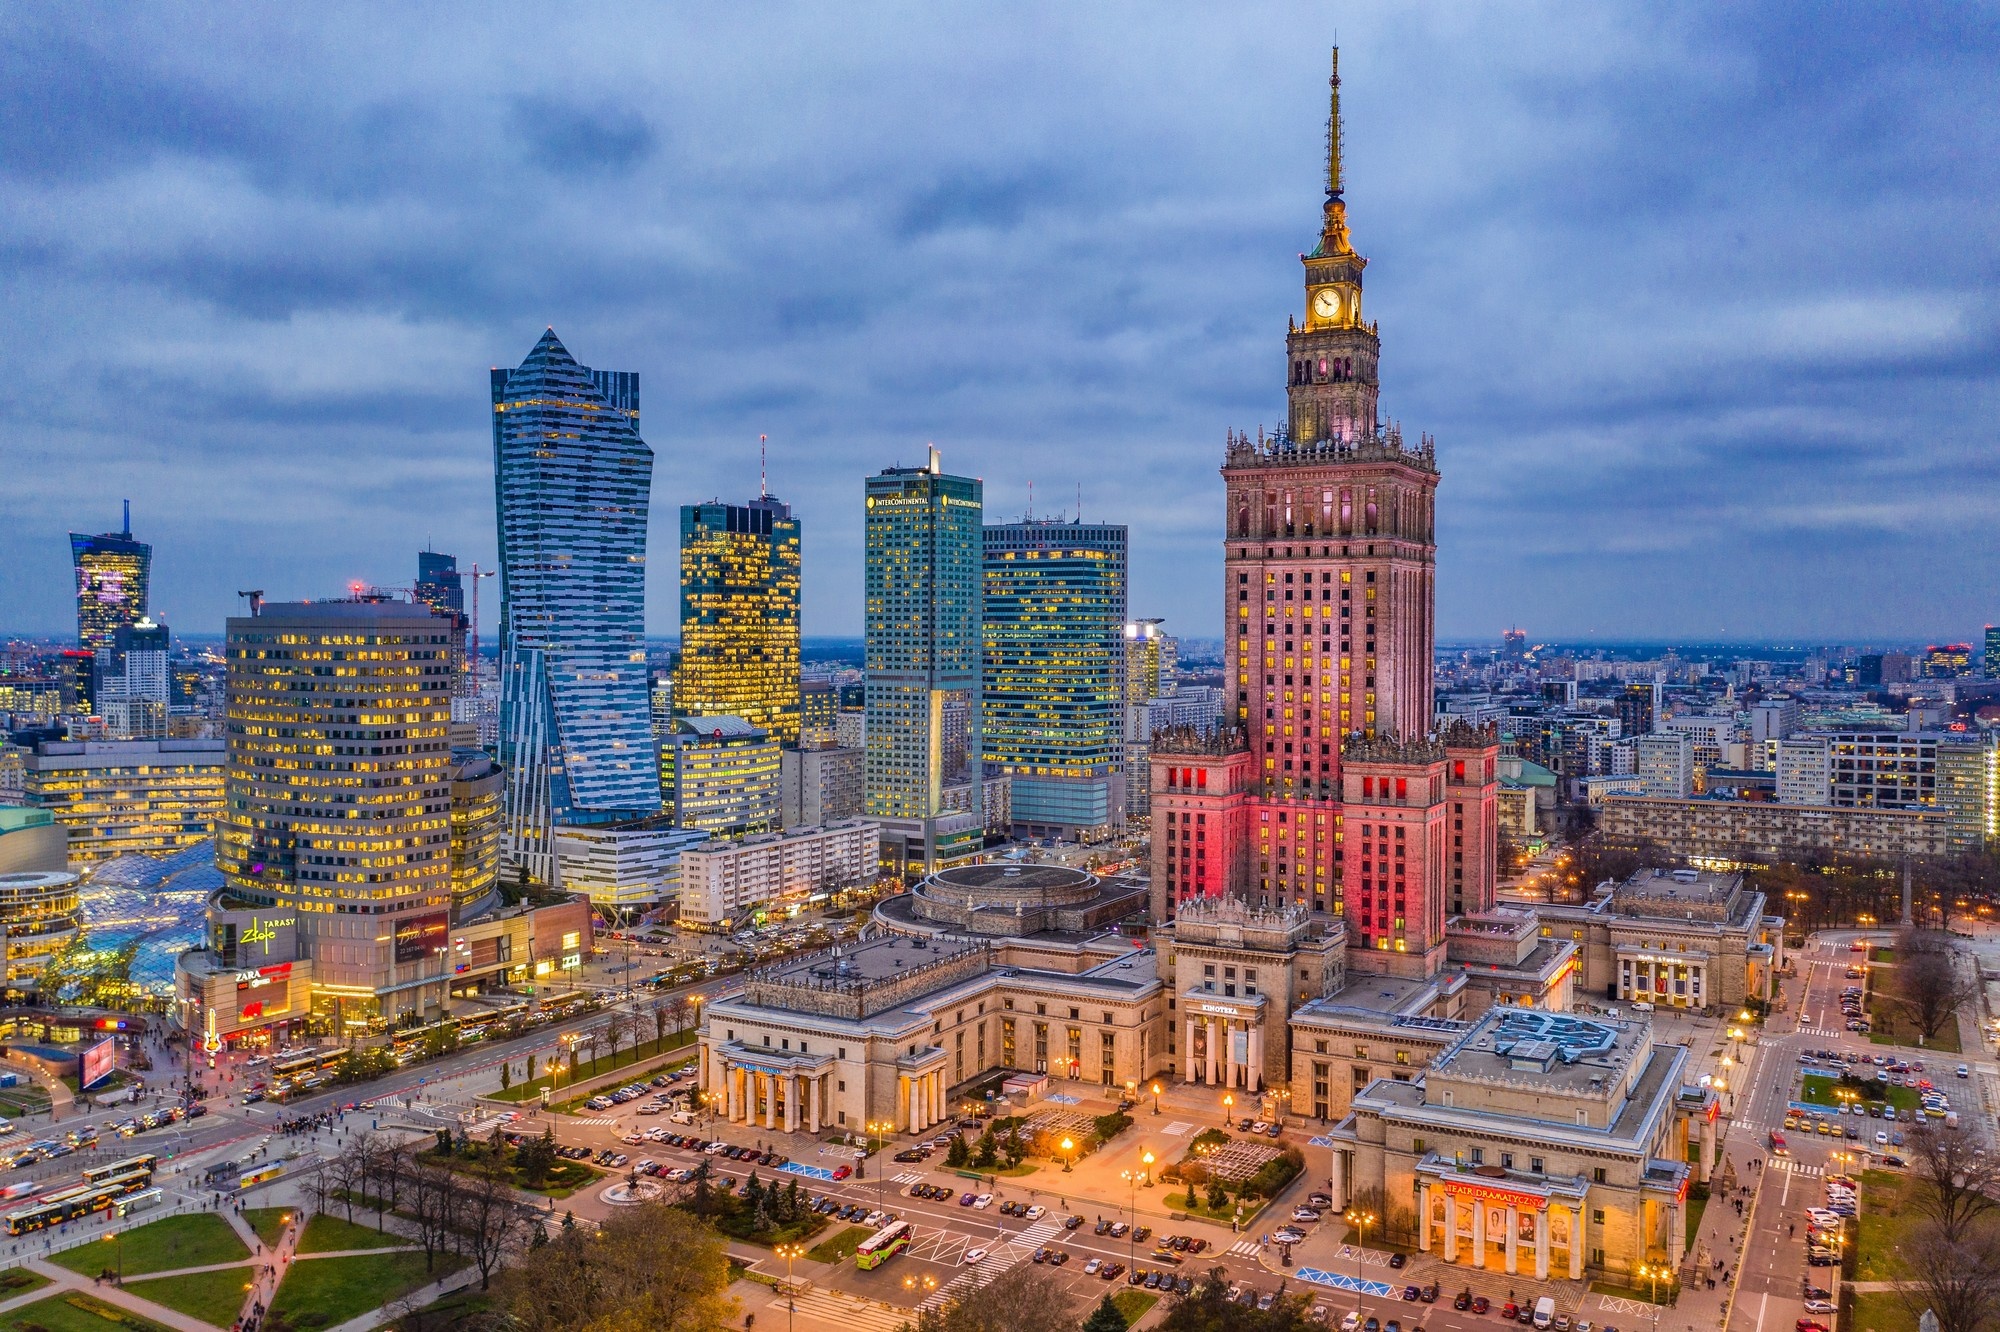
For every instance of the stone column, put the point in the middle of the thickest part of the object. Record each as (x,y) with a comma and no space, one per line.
(1187,1065)
(1214,1052)
(1676,1236)
(771,1101)
(1450,1227)
(791,1103)
(902,1100)
(1229,1057)
(1423,1217)
(812,1104)
(1542,1244)
(728,1090)
(1337,1180)
(1479,1233)
(1513,1239)
(1577,1213)
(1256,1071)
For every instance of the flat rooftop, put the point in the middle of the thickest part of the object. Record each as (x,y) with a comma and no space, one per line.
(1534,1047)
(877,960)
(1661,887)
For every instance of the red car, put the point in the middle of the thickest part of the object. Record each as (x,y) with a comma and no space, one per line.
(841,1172)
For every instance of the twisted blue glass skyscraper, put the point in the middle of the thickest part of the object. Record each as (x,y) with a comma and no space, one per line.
(572,479)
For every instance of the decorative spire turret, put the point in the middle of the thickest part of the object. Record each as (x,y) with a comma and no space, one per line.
(1333,238)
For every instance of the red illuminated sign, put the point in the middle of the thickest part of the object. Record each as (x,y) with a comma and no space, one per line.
(1465,1189)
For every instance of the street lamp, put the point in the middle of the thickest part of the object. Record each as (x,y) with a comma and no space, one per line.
(791,1253)
(119,1244)
(877,1128)
(1653,1272)
(1360,1221)
(1228,1107)
(1156,1098)
(1067,1148)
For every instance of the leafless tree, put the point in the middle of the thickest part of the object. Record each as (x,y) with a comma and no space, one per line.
(680,1012)
(1927,982)
(648,1269)
(657,1012)
(431,1193)
(1955,1184)
(1959,1281)
(345,1175)
(488,1216)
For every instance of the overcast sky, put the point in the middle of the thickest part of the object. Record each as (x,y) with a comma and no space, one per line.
(1698,301)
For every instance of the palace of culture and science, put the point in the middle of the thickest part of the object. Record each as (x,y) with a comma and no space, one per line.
(1325,941)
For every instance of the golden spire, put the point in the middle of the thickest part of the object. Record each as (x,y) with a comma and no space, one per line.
(1333,233)
(1333,132)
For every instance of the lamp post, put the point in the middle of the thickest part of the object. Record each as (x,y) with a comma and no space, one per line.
(1156,1098)
(1360,1221)
(791,1253)
(1067,1148)
(1132,1179)
(876,1129)
(1228,1107)
(1654,1272)
(118,1243)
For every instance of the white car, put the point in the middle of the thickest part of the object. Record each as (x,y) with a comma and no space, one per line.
(1090,1268)
(1304,1214)
(1965,1070)
(1352,1321)
(983,1201)
(1881,1138)
(1818,1307)
(1037,1212)
(974,1256)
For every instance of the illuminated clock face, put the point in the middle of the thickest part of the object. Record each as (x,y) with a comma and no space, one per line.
(1326,302)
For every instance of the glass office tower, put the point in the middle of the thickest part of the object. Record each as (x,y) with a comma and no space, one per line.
(923,595)
(572,480)
(740,615)
(1054,665)
(112,574)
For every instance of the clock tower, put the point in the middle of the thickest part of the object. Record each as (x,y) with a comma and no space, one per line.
(1332,385)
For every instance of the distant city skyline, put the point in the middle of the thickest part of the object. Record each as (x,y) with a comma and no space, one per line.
(1666,408)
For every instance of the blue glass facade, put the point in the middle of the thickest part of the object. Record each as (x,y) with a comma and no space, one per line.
(1053,665)
(923,608)
(572,482)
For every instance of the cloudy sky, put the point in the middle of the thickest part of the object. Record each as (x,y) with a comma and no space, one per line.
(1698,301)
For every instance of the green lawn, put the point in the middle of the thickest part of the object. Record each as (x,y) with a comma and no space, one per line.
(454,1310)
(1880,1311)
(1890,1029)
(1819,1091)
(1695,1207)
(327,1233)
(16,1281)
(213,1297)
(840,1246)
(76,1312)
(322,1292)
(590,1068)
(196,1240)
(268,1222)
(1133,1304)
(1887,1218)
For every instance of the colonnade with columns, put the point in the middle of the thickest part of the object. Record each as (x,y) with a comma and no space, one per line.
(920,1099)
(1213,1060)
(787,1100)
(1459,1223)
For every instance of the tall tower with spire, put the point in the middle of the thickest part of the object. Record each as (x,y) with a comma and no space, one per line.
(1355,807)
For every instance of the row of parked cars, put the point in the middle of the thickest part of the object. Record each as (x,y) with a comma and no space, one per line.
(1823,1224)
(633,1091)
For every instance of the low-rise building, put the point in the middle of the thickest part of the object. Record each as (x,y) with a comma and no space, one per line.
(724,883)
(31,840)
(40,912)
(115,796)
(624,868)
(1536,1144)
(1757,829)
(1674,938)
(721,775)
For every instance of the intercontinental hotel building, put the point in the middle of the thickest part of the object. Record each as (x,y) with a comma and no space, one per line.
(1324,938)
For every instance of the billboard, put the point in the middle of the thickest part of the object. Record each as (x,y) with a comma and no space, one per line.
(97,1063)
(421,937)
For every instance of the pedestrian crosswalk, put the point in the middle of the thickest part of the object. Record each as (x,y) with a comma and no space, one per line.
(1003,1255)
(1245,1249)
(1785,1163)
(602,1121)
(844,1310)
(909,1177)
(1820,1031)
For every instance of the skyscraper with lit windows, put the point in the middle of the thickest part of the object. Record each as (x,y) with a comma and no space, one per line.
(338,793)
(113,575)
(573,480)
(740,615)
(923,589)
(1052,668)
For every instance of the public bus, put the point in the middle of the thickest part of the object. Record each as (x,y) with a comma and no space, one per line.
(883,1245)
(137,1202)
(68,1204)
(146,1162)
(260,1175)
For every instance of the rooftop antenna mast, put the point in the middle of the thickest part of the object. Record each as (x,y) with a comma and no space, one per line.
(128,520)
(763,489)
(256,597)
(1031,501)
